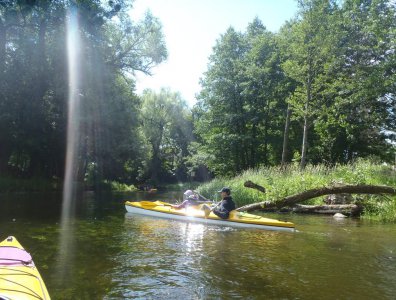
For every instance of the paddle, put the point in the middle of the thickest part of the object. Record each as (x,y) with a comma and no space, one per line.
(242,215)
(202,197)
(156,203)
(207,209)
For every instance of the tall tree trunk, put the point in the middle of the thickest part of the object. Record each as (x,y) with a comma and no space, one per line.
(239,148)
(156,160)
(4,157)
(41,53)
(266,125)
(2,49)
(253,147)
(305,141)
(39,158)
(306,123)
(4,152)
(286,136)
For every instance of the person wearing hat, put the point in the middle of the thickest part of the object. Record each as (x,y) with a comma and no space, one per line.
(226,205)
(189,197)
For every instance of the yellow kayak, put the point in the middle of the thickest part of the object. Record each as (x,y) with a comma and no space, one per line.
(195,214)
(19,277)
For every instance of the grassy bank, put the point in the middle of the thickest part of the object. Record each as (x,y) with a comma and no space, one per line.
(280,183)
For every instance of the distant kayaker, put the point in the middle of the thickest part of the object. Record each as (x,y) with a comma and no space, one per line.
(223,209)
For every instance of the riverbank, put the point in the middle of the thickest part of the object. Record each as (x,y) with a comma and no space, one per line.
(36,184)
(11,184)
(280,183)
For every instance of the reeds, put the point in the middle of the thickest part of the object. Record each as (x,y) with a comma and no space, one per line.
(280,182)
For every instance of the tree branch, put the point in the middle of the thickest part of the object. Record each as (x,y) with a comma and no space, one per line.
(313,193)
(253,185)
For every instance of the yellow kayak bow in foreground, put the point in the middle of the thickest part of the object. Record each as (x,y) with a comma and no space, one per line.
(195,214)
(19,277)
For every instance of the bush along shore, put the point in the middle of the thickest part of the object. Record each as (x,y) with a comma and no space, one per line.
(279,183)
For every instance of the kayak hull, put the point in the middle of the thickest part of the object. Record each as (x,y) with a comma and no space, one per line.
(19,277)
(195,214)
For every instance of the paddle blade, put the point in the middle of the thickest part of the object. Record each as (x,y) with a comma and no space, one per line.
(148,203)
(156,203)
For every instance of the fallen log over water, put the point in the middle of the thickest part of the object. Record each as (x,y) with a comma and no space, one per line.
(313,193)
(345,209)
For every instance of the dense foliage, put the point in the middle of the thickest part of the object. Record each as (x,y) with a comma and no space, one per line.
(34,87)
(321,90)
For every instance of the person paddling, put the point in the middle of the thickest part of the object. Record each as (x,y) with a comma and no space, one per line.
(223,209)
(189,198)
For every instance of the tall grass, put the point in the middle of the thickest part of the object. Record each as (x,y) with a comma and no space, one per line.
(284,182)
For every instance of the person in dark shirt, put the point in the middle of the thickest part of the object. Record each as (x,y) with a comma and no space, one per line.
(223,209)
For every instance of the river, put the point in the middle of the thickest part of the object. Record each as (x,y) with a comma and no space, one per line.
(110,254)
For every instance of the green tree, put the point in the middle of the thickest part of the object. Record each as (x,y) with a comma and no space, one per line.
(168,131)
(310,47)
(266,88)
(34,86)
(239,114)
(362,82)
(30,119)
(133,47)
(220,111)
(111,141)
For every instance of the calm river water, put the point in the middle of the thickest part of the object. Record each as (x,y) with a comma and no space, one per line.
(106,253)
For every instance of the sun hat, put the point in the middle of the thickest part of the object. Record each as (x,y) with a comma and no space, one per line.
(188,193)
(226,190)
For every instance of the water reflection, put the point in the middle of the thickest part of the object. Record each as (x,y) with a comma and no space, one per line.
(192,261)
(192,234)
(125,256)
